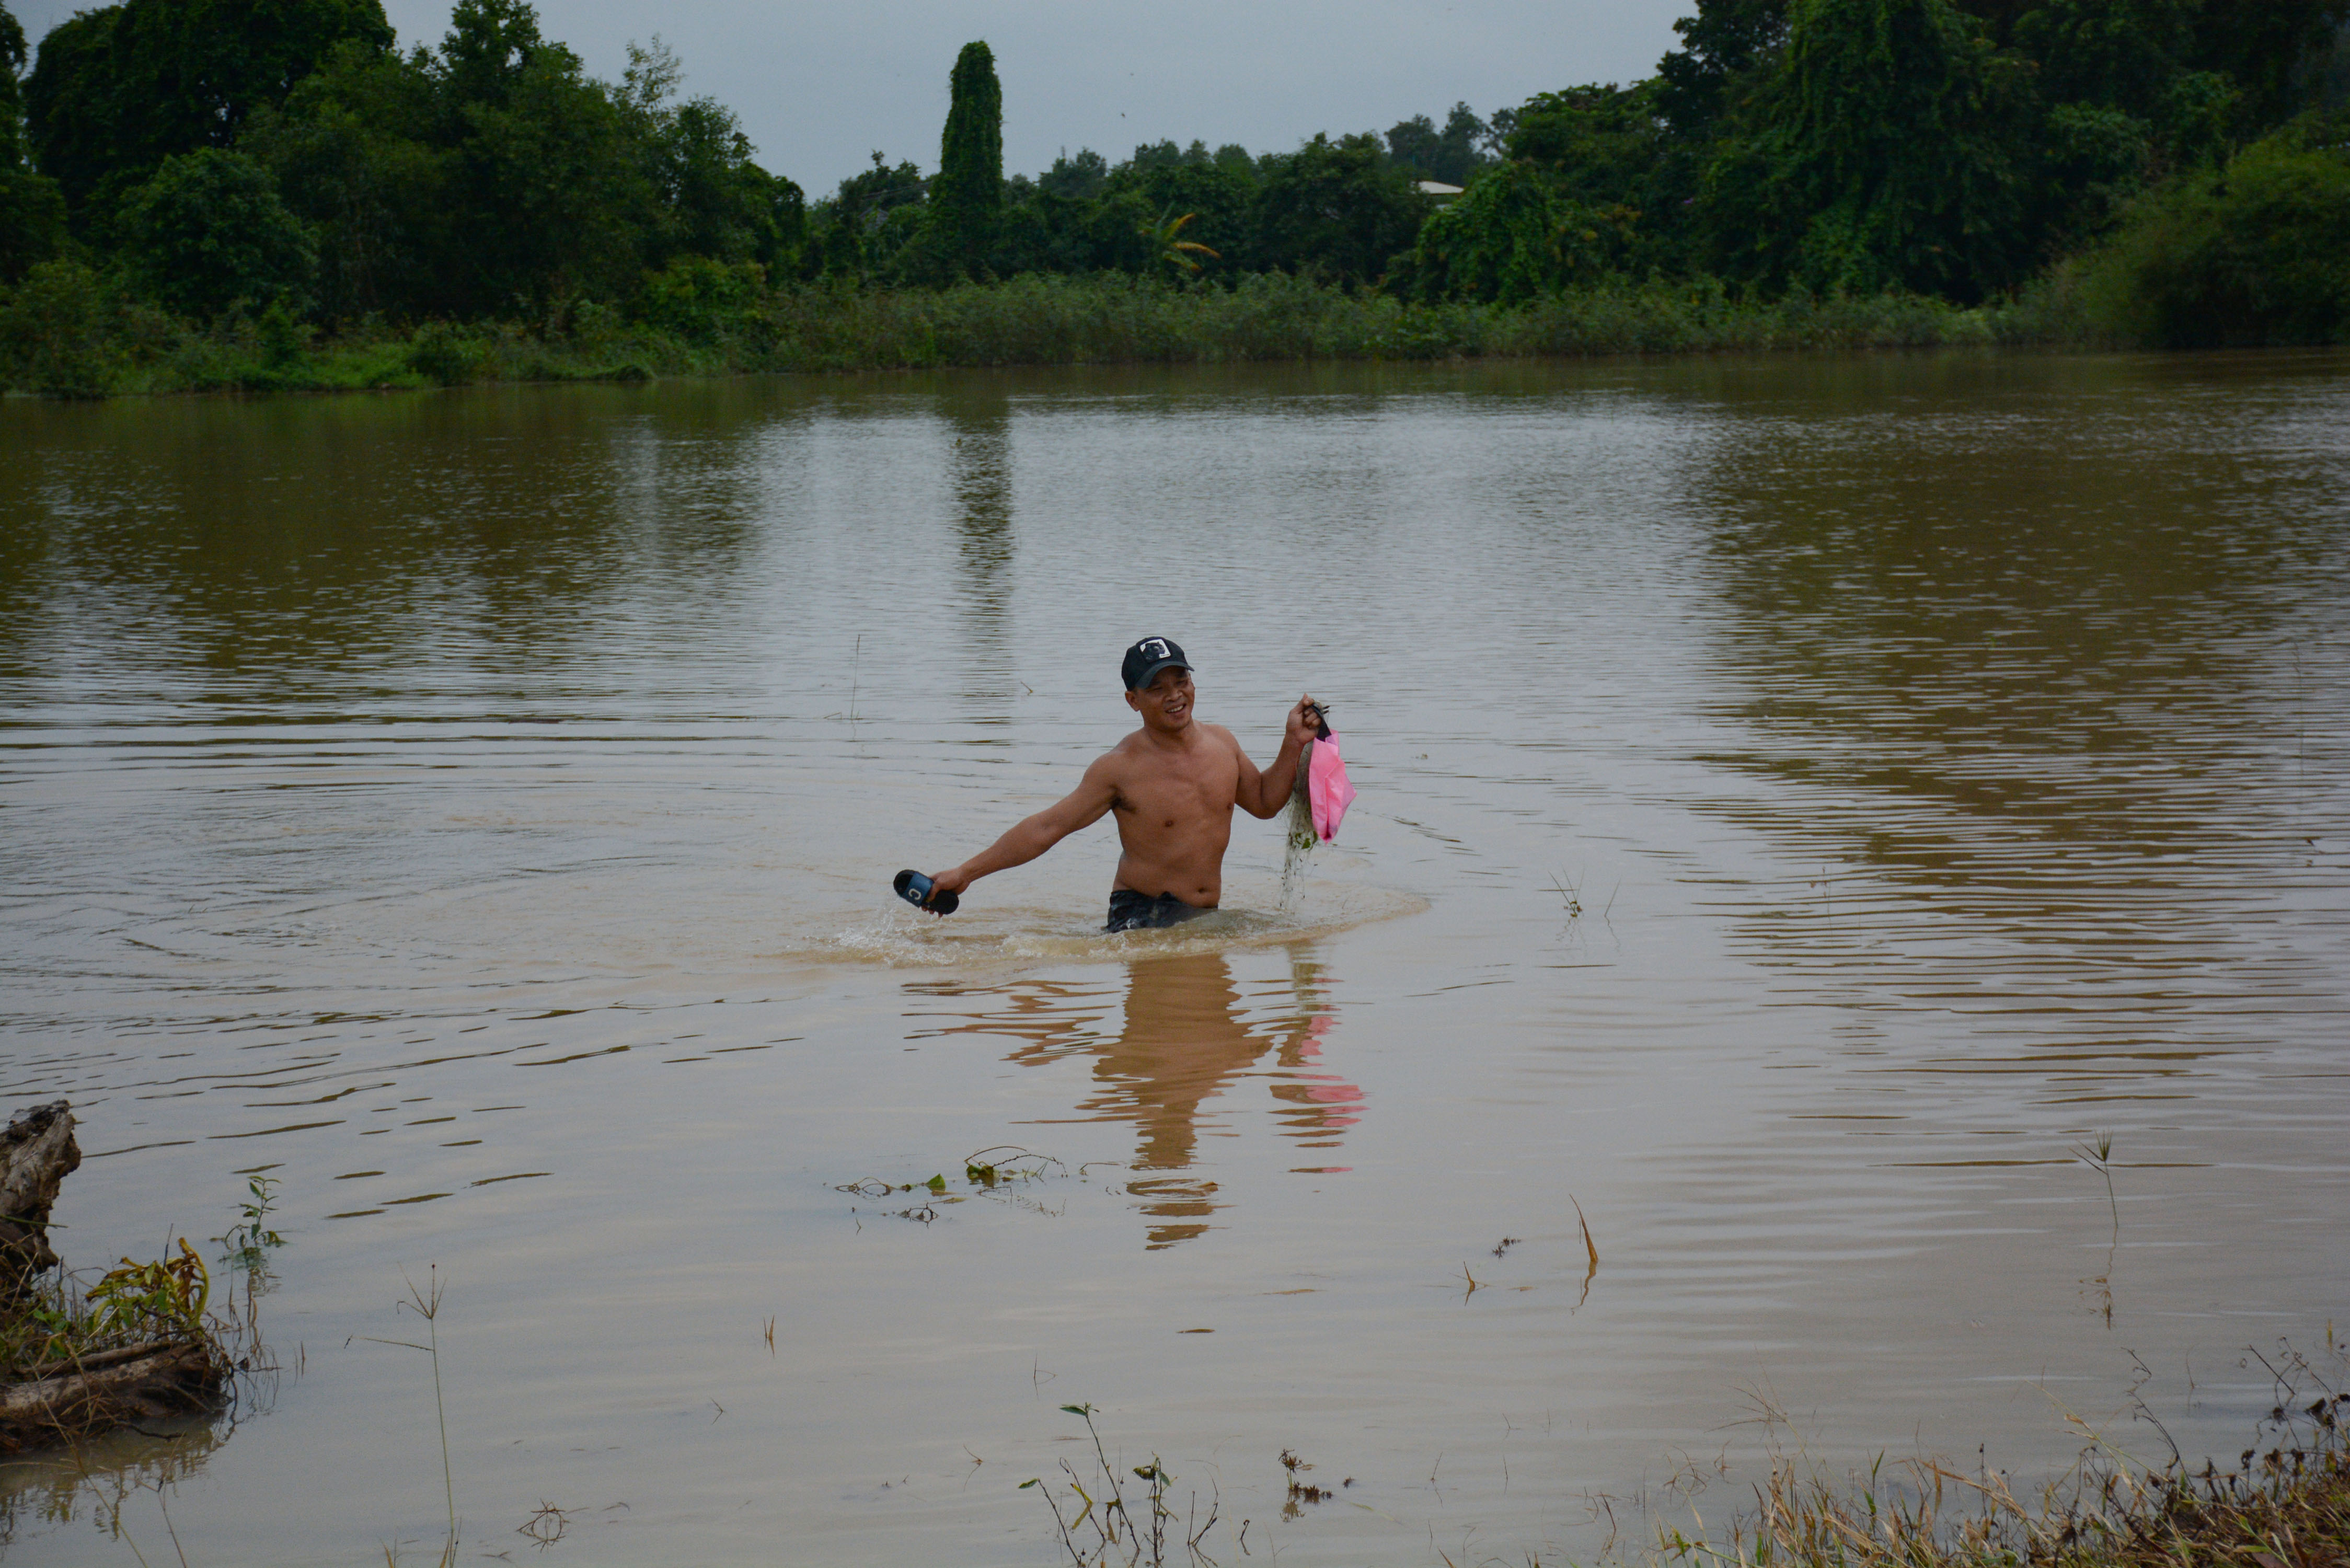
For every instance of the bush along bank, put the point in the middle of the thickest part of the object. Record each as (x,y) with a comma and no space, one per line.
(68,332)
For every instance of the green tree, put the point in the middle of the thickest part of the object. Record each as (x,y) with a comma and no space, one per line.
(1337,209)
(487,50)
(859,227)
(32,211)
(494,176)
(1606,146)
(2117,54)
(1076,179)
(2273,50)
(208,233)
(968,193)
(1595,184)
(2256,251)
(359,153)
(69,120)
(1882,156)
(1727,47)
(1517,234)
(116,91)
(1141,193)
(719,203)
(1451,155)
(559,195)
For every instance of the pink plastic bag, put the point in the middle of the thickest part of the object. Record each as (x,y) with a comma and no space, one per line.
(1326,789)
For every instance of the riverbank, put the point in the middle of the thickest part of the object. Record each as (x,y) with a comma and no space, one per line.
(66,333)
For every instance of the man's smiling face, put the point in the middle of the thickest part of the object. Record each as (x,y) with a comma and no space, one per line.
(1166,703)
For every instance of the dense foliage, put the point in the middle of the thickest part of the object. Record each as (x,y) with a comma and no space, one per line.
(1950,147)
(267,171)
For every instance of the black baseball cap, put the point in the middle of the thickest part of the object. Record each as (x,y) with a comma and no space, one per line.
(1147,657)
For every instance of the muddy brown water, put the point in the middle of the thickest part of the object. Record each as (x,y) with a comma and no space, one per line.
(1802,800)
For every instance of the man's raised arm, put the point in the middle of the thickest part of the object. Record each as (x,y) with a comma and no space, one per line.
(1030,837)
(1263,794)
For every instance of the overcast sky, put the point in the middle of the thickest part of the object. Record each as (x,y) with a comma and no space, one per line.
(819,87)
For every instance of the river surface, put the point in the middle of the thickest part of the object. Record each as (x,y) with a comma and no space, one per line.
(1804,803)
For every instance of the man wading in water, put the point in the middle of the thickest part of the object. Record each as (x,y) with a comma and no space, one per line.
(1173,783)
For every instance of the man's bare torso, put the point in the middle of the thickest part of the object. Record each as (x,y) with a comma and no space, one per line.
(1174,809)
(1172,785)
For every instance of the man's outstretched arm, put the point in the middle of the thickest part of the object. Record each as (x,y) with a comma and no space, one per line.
(1030,837)
(1263,794)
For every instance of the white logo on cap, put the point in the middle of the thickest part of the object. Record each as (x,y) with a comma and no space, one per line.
(1157,645)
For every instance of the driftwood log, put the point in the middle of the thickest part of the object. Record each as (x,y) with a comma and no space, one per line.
(58,1403)
(136,1383)
(37,1152)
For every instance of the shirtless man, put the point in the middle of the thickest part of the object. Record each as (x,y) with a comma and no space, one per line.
(1173,784)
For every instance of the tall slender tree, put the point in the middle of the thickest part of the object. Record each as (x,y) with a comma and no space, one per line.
(967,197)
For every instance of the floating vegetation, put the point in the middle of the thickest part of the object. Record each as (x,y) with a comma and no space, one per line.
(546,1525)
(1591,1251)
(999,1173)
(1302,1494)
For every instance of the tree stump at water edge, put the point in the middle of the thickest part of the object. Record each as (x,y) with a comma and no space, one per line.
(72,1395)
(38,1152)
(110,1389)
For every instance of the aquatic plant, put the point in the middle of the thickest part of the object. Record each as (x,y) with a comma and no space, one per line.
(2098,1157)
(425,1302)
(249,1242)
(1115,1535)
(993,1172)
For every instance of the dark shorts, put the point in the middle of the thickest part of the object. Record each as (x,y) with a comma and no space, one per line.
(1131,911)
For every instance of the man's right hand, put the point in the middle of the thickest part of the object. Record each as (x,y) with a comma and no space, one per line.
(1305,722)
(953,881)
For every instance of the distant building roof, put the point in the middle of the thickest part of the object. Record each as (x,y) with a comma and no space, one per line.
(1437,189)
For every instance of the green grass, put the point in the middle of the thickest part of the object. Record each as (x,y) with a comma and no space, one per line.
(65,332)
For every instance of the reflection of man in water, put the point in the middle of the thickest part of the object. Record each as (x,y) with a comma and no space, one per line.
(1181,1047)
(1185,1041)
(1173,783)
